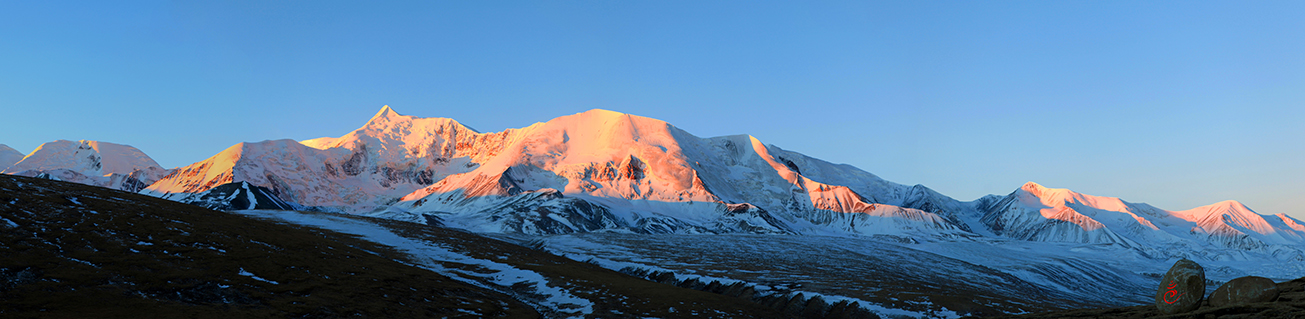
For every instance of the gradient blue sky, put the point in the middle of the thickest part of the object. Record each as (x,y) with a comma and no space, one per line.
(1177,104)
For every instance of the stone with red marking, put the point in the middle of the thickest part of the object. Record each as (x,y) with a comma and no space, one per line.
(1181,289)
(1244,290)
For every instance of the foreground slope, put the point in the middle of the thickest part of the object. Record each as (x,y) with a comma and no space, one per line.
(95,163)
(137,255)
(75,251)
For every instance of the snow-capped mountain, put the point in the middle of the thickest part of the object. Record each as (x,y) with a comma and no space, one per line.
(607,173)
(633,173)
(604,170)
(91,162)
(645,175)
(1038,213)
(392,155)
(9,156)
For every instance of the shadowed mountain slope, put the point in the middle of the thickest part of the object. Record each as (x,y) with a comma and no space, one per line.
(9,156)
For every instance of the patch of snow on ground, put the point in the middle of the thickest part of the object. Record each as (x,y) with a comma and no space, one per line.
(574,245)
(245,273)
(431,255)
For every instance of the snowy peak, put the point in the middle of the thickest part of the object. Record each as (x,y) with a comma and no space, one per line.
(1037,213)
(386,116)
(1227,218)
(389,136)
(389,156)
(91,158)
(201,176)
(1224,207)
(1039,191)
(385,112)
(90,162)
(1291,222)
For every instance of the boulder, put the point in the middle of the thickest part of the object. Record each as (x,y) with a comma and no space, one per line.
(1181,289)
(1244,290)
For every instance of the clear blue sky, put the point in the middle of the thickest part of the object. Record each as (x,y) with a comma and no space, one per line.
(1178,104)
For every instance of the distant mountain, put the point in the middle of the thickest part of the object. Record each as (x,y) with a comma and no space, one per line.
(9,156)
(392,155)
(95,163)
(1037,213)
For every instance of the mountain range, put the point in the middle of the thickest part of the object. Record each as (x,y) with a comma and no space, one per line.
(607,172)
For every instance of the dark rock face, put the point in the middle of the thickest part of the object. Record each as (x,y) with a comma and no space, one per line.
(1244,290)
(1182,288)
(237,196)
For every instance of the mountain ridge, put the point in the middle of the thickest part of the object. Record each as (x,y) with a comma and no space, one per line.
(605,170)
(608,170)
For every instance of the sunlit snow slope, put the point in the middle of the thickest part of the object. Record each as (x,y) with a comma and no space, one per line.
(90,162)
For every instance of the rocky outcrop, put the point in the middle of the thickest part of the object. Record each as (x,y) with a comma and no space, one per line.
(235,196)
